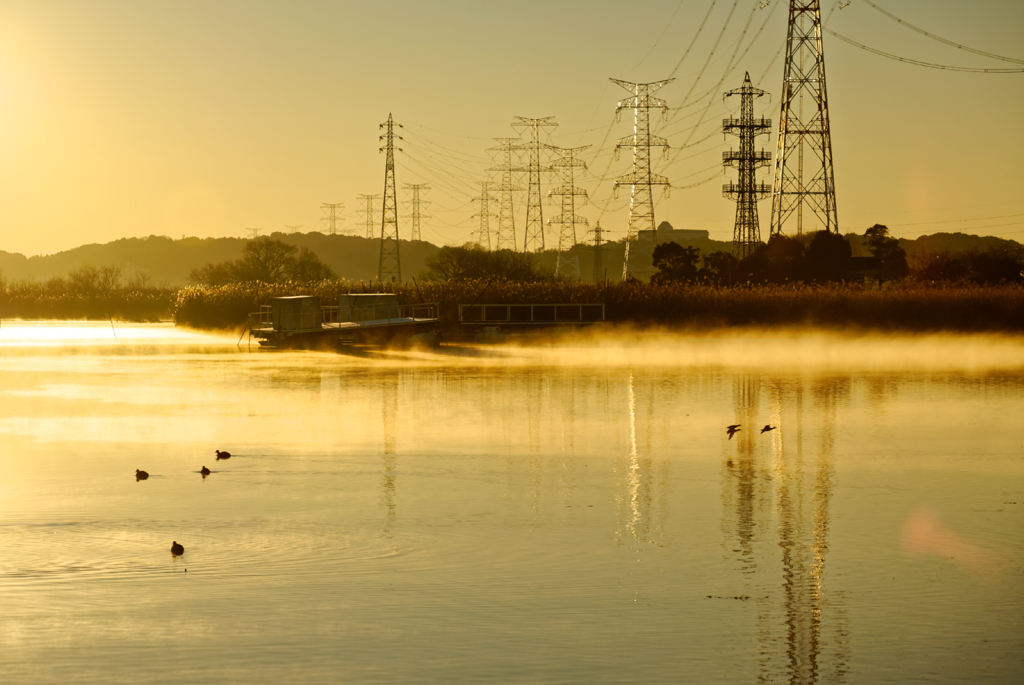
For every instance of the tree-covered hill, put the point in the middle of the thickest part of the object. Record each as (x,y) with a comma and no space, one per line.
(166,261)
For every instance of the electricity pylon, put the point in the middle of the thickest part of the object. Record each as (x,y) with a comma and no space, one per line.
(567,163)
(370,224)
(534,240)
(416,202)
(255,232)
(390,268)
(293,229)
(506,238)
(483,236)
(747,191)
(803,163)
(331,216)
(598,253)
(641,179)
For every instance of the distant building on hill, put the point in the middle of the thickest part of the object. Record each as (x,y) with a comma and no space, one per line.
(667,234)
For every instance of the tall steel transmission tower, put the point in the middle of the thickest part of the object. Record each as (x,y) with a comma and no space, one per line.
(746,193)
(567,163)
(370,223)
(598,253)
(641,179)
(803,163)
(483,236)
(506,238)
(330,216)
(416,202)
(534,240)
(390,268)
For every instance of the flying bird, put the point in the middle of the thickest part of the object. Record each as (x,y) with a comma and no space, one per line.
(141,475)
(205,471)
(767,428)
(176,549)
(733,429)
(223,455)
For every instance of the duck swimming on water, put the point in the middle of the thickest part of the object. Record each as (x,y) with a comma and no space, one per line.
(176,549)
(141,475)
(205,471)
(223,455)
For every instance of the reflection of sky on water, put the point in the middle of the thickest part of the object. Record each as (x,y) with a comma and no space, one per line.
(430,512)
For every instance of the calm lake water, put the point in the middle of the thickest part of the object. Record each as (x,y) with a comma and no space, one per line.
(571,513)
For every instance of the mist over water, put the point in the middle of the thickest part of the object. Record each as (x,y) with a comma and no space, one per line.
(566,512)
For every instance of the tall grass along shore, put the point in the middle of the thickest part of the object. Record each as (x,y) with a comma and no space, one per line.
(904,306)
(901,306)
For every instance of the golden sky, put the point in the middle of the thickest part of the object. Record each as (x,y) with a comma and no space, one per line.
(122,118)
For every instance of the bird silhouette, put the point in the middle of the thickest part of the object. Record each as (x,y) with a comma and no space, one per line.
(141,475)
(733,429)
(176,549)
(767,428)
(205,471)
(223,455)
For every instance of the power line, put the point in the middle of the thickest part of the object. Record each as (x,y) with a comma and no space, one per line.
(919,63)
(942,40)
(957,221)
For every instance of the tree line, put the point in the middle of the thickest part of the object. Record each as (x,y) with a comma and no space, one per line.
(826,257)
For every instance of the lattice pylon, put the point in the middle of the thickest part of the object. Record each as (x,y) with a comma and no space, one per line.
(506,236)
(641,180)
(568,220)
(803,162)
(598,253)
(390,267)
(746,191)
(370,224)
(330,217)
(534,239)
(483,235)
(416,202)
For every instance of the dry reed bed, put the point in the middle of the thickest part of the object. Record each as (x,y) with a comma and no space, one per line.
(906,306)
(42,301)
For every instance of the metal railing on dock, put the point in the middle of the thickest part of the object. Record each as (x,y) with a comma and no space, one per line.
(335,317)
(527,314)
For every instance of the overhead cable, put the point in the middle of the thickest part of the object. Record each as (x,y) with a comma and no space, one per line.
(943,40)
(919,63)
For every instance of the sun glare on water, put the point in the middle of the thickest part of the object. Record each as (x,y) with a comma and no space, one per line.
(97,333)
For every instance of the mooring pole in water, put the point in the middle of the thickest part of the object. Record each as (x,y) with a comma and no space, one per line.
(112,326)
(239,343)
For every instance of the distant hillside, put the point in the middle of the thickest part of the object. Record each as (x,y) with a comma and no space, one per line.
(938,242)
(168,261)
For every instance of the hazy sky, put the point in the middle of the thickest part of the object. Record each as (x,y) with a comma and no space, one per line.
(131,118)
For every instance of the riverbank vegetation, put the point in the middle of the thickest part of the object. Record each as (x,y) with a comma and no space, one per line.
(813,280)
(88,292)
(900,306)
